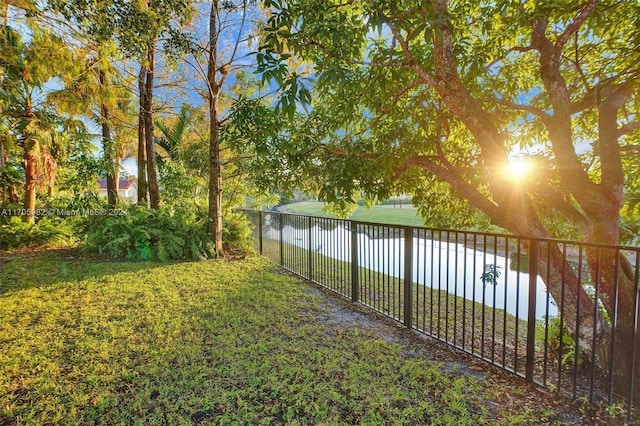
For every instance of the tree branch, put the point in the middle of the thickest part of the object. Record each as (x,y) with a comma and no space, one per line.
(594,95)
(574,178)
(395,100)
(237,43)
(628,128)
(528,108)
(612,180)
(411,61)
(513,49)
(330,53)
(554,198)
(462,187)
(574,26)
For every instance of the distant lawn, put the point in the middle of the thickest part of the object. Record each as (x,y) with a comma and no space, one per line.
(407,215)
(217,342)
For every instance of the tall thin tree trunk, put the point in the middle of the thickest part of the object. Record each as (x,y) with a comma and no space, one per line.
(152,170)
(215,164)
(108,148)
(30,183)
(142,149)
(2,158)
(112,190)
(4,188)
(116,174)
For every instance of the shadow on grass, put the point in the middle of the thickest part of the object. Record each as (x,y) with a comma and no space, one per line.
(212,343)
(37,268)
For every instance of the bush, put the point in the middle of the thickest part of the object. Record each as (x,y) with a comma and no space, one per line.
(47,231)
(141,233)
(558,336)
(236,232)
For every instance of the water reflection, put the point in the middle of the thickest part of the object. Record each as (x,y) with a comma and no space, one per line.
(439,261)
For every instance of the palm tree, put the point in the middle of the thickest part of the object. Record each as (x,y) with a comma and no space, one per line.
(35,122)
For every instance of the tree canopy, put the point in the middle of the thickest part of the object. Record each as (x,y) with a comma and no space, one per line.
(409,94)
(443,99)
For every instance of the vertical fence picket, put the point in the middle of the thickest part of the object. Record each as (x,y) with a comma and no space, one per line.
(531,317)
(260,232)
(355,290)
(408,277)
(281,229)
(310,249)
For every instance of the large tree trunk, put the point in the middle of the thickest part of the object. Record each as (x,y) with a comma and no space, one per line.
(152,171)
(615,279)
(610,338)
(142,148)
(215,164)
(30,183)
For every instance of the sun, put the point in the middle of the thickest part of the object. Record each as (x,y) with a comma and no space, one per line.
(518,169)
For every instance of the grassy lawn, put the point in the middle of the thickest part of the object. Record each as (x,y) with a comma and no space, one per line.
(479,329)
(406,215)
(94,342)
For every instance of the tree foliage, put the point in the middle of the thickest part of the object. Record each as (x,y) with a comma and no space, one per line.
(405,92)
(32,121)
(409,95)
(138,28)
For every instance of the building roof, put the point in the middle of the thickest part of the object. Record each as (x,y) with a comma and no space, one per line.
(125,183)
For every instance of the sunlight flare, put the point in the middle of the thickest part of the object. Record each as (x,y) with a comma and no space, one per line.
(518,169)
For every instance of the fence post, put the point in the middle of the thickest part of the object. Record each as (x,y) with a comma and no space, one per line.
(355,287)
(531,317)
(281,223)
(260,231)
(408,277)
(310,250)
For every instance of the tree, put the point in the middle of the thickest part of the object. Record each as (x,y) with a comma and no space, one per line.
(138,27)
(409,93)
(100,94)
(36,122)
(219,66)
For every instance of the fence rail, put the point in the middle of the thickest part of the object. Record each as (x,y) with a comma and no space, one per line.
(482,293)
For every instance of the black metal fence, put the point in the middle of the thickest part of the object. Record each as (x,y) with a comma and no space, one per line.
(485,294)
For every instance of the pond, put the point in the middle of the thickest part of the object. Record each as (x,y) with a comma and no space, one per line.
(485,276)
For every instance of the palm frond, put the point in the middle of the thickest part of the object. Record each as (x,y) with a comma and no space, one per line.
(173,136)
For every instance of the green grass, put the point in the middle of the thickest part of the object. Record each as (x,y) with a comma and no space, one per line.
(439,313)
(216,342)
(407,215)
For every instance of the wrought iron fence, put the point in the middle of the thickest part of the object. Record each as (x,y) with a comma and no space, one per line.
(482,293)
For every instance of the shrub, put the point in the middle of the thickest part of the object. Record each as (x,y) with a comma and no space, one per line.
(558,337)
(236,232)
(47,231)
(141,233)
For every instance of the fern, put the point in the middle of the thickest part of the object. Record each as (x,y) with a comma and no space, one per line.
(145,234)
(46,231)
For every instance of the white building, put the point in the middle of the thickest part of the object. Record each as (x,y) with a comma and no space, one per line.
(127,188)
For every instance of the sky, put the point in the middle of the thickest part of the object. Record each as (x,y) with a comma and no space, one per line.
(191,72)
